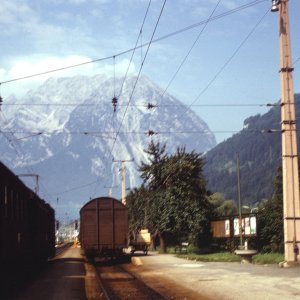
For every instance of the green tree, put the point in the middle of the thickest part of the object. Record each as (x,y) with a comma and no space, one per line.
(151,172)
(222,207)
(176,206)
(135,202)
(270,219)
(187,207)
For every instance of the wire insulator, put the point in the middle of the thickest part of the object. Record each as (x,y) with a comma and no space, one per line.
(150,106)
(114,102)
(151,132)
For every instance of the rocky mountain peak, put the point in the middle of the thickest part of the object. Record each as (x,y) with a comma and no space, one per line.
(77,128)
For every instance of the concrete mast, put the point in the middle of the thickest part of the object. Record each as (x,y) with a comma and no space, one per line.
(123,179)
(291,207)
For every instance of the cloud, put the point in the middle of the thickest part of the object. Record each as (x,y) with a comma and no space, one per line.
(78,2)
(14,14)
(34,29)
(26,67)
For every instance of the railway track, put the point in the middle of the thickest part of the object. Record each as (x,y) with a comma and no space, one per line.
(118,283)
(61,248)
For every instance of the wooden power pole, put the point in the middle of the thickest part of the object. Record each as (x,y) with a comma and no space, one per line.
(291,206)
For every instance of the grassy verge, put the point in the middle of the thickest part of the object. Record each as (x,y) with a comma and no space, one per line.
(213,257)
(268,258)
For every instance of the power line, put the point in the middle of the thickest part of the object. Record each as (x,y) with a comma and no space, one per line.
(94,133)
(138,76)
(146,105)
(259,131)
(134,49)
(296,61)
(74,188)
(242,7)
(228,61)
(129,64)
(124,79)
(107,58)
(191,48)
(18,150)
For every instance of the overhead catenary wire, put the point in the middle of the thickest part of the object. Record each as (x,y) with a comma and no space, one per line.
(109,134)
(267,131)
(147,104)
(296,61)
(222,15)
(256,1)
(191,48)
(13,142)
(97,181)
(127,106)
(127,70)
(138,75)
(129,64)
(227,62)
(134,49)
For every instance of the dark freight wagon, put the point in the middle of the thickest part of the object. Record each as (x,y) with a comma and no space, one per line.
(104,227)
(27,232)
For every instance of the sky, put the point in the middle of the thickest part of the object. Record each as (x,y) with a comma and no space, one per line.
(225,69)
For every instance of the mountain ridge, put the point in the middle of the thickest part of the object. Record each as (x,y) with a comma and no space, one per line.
(259,149)
(65,131)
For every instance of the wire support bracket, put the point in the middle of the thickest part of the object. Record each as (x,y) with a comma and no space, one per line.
(288,130)
(287,103)
(286,69)
(291,242)
(288,122)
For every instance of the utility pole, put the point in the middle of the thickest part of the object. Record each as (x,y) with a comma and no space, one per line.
(123,178)
(291,206)
(36,190)
(239,200)
(110,190)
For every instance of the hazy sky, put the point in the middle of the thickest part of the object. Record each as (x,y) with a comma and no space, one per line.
(227,64)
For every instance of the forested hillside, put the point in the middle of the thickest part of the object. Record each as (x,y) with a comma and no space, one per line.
(259,149)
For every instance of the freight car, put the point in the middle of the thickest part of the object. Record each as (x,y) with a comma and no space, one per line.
(140,241)
(104,227)
(27,228)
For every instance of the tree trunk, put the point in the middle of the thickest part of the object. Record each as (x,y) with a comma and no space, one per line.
(154,240)
(162,242)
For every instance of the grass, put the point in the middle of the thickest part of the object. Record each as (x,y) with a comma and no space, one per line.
(267,258)
(212,257)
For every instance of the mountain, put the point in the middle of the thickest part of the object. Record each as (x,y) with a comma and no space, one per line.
(259,149)
(65,131)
